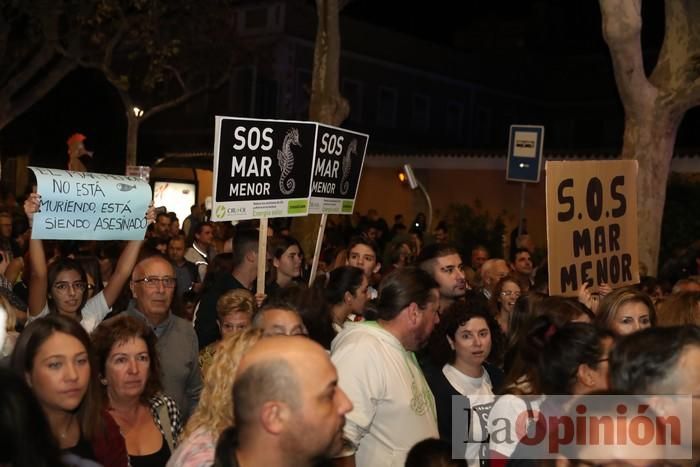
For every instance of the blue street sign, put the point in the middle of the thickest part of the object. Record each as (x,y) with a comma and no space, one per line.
(525,153)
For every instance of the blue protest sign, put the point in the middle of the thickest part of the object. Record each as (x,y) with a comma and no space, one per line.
(525,153)
(90,206)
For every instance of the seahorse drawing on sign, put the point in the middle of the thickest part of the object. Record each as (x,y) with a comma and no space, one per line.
(285,159)
(347,160)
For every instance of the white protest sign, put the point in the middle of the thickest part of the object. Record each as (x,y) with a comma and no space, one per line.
(340,155)
(90,206)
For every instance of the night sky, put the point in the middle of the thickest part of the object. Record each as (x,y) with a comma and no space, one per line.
(544,32)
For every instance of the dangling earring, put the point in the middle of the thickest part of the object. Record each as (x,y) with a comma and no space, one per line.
(103,381)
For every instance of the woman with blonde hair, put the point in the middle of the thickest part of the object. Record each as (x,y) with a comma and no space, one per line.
(625,311)
(234,310)
(215,410)
(680,309)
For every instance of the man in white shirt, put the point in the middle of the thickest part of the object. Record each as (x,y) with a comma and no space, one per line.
(393,405)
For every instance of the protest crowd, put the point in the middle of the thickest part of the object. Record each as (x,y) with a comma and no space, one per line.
(162,351)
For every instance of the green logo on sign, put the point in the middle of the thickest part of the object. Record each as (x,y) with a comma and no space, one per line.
(297,206)
(347,206)
(220,211)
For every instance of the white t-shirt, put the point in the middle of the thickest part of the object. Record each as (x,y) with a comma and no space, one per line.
(93,312)
(479,391)
(393,407)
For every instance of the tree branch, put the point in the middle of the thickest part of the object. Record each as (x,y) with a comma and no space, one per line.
(622,25)
(38,90)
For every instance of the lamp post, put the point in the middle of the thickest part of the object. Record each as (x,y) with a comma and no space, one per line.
(415,184)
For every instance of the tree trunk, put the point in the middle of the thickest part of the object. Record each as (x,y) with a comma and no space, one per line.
(654,106)
(326,105)
(650,141)
(132,137)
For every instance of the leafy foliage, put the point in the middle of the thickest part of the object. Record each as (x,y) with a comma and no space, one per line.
(470,226)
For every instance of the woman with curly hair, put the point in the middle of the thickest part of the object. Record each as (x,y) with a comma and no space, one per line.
(467,337)
(215,410)
(130,375)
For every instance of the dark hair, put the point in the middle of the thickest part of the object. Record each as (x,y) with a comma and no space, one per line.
(432,452)
(24,430)
(118,330)
(515,251)
(57,267)
(198,228)
(91,266)
(641,362)
(523,314)
(524,352)
(564,350)
(359,240)
(457,315)
(401,288)
(28,344)
(222,264)
(341,280)
(278,245)
(244,242)
(611,303)
(434,251)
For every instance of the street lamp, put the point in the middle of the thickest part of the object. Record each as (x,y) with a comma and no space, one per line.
(138,112)
(414,183)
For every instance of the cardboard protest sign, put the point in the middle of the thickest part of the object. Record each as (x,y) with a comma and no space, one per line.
(90,206)
(591,224)
(340,155)
(262,168)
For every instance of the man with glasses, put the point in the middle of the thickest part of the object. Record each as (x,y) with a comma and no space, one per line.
(152,285)
(444,264)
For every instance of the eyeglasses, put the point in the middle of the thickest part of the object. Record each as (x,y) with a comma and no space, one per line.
(509,293)
(152,282)
(63,286)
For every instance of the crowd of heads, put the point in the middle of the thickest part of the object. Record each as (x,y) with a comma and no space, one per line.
(269,389)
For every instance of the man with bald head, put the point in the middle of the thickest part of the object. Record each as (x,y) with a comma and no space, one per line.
(492,271)
(288,408)
(152,285)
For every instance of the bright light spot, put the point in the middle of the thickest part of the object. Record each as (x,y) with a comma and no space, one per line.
(522,165)
(402,177)
(138,112)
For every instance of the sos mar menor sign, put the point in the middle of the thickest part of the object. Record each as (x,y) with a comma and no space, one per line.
(284,168)
(262,168)
(591,224)
(340,155)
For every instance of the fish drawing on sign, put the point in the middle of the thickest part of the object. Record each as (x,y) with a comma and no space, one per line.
(285,159)
(125,187)
(347,163)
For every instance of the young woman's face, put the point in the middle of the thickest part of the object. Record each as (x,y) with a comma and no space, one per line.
(127,368)
(289,264)
(67,292)
(472,342)
(234,322)
(60,373)
(509,295)
(631,317)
